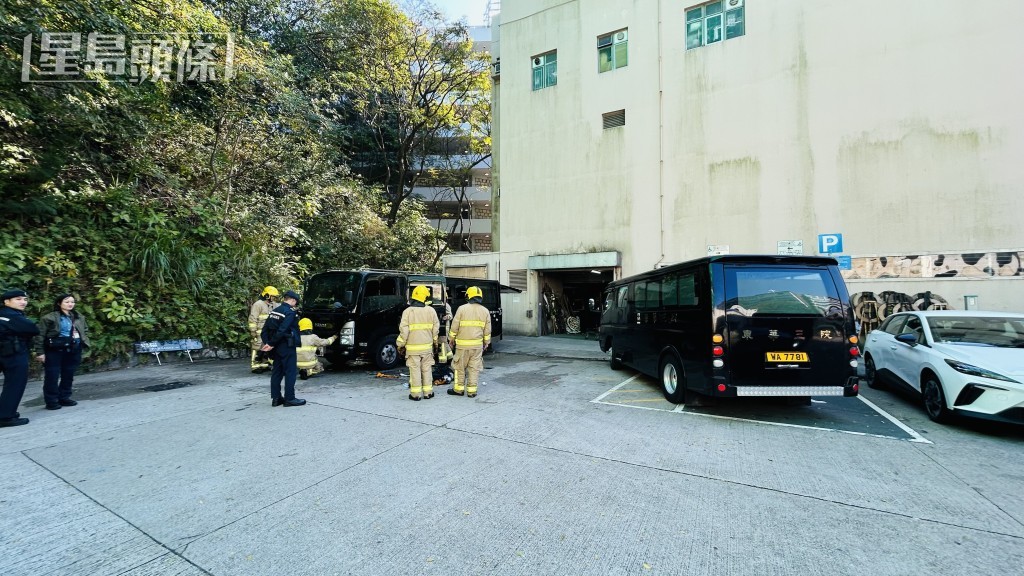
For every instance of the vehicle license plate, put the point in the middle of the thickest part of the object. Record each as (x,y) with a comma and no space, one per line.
(786,357)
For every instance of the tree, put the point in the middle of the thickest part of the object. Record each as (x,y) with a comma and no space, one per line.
(408,81)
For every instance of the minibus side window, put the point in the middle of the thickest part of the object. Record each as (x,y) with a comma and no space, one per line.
(687,290)
(648,295)
(678,290)
(670,290)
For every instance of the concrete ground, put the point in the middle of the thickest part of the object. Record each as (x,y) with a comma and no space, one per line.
(187,469)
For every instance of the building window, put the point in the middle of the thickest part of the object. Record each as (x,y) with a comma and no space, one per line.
(714,22)
(545,70)
(612,51)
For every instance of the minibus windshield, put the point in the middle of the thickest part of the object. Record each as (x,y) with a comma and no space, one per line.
(780,292)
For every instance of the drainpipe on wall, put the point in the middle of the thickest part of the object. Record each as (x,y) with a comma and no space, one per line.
(661,145)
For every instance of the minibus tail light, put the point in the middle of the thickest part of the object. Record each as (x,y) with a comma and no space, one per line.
(853,340)
(718,351)
(854,351)
(717,339)
(721,387)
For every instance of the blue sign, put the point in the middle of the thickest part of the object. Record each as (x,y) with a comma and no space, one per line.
(845,262)
(830,243)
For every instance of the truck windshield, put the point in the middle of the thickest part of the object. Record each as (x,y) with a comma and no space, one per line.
(327,290)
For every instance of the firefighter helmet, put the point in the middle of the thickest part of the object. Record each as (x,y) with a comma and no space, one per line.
(474,292)
(421,293)
(305,324)
(269,291)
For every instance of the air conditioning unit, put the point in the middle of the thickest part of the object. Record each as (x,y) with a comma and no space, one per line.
(732,4)
(620,36)
(538,61)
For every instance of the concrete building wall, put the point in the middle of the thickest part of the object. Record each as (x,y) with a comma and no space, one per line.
(896,124)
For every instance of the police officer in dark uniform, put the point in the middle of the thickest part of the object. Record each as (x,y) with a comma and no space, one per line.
(281,334)
(16,333)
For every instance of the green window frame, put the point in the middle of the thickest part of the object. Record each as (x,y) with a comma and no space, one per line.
(613,51)
(714,22)
(545,70)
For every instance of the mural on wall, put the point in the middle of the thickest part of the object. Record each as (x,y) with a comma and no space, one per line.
(870,309)
(968,265)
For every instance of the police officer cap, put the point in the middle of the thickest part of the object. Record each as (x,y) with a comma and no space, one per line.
(13,293)
(290,294)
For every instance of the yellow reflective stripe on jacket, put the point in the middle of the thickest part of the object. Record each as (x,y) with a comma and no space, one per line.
(477,342)
(426,326)
(418,347)
(477,323)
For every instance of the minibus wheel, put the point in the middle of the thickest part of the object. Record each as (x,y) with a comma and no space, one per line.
(673,381)
(614,361)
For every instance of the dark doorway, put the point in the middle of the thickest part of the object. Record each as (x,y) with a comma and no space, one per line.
(571,300)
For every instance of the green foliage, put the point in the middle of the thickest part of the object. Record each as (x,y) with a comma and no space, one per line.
(165,207)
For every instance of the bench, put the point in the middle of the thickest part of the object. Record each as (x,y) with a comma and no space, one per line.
(155,347)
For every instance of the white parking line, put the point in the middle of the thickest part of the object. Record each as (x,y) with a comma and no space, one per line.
(680,408)
(601,397)
(891,418)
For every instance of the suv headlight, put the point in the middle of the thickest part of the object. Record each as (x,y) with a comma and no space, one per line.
(972,370)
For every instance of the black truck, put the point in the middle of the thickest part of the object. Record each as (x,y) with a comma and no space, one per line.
(364,308)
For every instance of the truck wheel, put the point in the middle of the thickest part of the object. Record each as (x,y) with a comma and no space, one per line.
(385,353)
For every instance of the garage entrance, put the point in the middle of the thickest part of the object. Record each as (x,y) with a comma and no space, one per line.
(571,300)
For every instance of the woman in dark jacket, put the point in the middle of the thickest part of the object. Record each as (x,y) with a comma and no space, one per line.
(62,335)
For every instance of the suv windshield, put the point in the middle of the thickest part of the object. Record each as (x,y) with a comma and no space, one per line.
(781,292)
(327,290)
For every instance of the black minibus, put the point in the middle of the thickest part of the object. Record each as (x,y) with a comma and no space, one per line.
(733,325)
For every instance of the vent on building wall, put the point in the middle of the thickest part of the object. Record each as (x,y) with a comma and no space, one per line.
(614,119)
(517,279)
(496,68)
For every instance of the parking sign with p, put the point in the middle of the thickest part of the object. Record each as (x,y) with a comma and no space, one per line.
(830,243)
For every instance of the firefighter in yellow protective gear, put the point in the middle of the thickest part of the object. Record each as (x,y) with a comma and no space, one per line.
(417,339)
(307,360)
(470,334)
(260,362)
